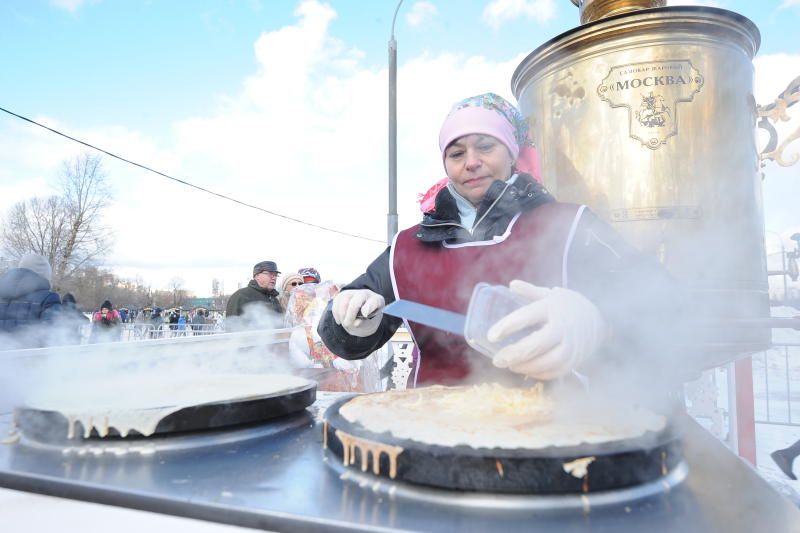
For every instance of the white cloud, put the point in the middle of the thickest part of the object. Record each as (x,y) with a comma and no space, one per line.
(499,12)
(773,74)
(781,185)
(420,13)
(790,3)
(68,5)
(307,137)
(304,136)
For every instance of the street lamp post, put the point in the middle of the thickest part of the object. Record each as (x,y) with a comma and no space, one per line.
(392,216)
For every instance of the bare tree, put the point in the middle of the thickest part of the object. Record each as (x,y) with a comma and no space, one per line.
(36,225)
(176,285)
(85,195)
(67,228)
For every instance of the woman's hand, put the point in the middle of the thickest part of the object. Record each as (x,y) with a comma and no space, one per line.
(567,329)
(346,307)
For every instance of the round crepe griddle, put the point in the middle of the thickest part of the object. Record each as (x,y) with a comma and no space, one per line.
(617,464)
(52,426)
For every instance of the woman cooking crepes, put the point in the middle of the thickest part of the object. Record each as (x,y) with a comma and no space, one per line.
(491,221)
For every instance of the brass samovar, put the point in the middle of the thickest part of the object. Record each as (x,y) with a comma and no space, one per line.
(646,114)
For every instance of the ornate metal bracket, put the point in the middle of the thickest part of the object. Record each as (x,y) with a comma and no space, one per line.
(403,357)
(775,112)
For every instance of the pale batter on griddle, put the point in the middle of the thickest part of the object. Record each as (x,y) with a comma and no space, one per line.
(140,402)
(491,416)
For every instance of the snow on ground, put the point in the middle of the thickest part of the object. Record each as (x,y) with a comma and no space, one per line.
(776,391)
(771,437)
(776,396)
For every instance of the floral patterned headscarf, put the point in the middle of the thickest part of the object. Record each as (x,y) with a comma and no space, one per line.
(493,115)
(503,107)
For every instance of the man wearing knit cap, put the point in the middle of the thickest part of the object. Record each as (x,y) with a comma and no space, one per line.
(26,298)
(260,291)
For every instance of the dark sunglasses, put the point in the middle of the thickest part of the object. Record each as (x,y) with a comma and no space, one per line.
(296,283)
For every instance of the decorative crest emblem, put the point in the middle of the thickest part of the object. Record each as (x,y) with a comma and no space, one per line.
(652,111)
(652,116)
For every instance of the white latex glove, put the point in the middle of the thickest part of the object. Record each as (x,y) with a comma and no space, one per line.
(569,330)
(346,366)
(346,306)
(299,352)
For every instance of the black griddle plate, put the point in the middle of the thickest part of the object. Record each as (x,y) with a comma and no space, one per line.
(52,426)
(617,464)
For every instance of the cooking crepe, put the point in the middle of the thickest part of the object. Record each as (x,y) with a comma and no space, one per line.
(491,416)
(140,402)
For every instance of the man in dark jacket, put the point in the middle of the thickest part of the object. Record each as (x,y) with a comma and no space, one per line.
(26,300)
(259,292)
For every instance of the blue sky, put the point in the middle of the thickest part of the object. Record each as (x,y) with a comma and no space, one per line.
(156,61)
(277,101)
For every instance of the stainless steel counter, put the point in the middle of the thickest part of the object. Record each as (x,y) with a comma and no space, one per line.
(61,514)
(275,477)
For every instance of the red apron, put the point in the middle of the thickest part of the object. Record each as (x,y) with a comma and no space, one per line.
(532,249)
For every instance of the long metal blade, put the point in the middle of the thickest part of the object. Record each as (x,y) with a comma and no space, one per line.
(427,315)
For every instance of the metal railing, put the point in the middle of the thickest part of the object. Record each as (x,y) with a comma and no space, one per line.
(132,331)
(776,385)
(135,332)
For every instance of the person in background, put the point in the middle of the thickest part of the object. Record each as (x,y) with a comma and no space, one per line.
(181,323)
(310,275)
(107,316)
(156,320)
(260,291)
(26,301)
(198,322)
(593,302)
(142,316)
(72,320)
(288,285)
(123,315)
(70,303)
(307,351)
(105,324)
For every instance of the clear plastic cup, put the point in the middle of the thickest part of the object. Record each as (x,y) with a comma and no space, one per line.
(488,304)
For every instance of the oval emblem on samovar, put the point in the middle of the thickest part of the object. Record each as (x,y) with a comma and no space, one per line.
(651,92)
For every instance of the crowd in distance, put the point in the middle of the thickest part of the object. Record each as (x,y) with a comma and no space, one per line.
(33,315)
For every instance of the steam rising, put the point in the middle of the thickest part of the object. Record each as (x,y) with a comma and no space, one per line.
(52,371)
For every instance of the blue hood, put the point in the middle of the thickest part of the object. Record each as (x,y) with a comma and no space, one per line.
(18,282)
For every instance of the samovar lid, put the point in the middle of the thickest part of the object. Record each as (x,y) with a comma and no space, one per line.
(667,22)
(591,10)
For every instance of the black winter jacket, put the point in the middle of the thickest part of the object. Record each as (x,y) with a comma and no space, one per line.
(252,294)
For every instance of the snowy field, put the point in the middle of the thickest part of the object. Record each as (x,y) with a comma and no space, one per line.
(770,437)
(776,390)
